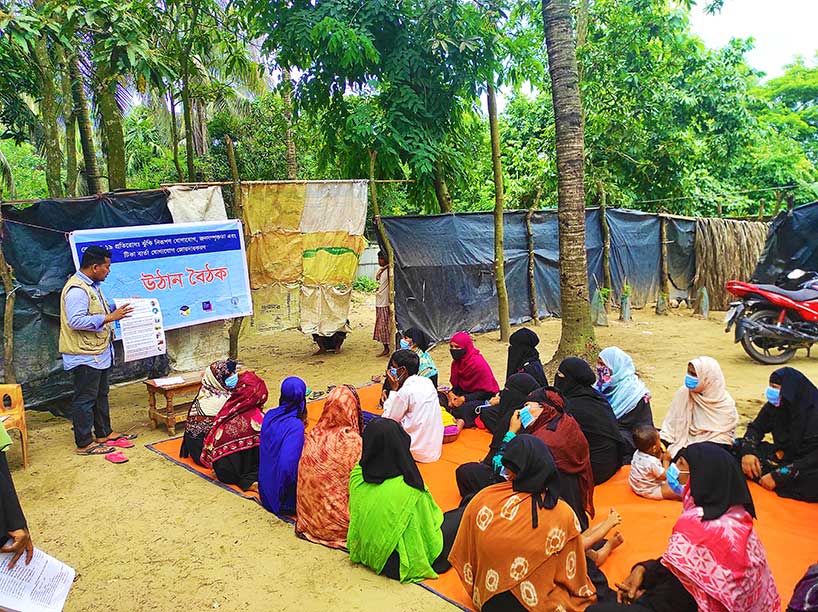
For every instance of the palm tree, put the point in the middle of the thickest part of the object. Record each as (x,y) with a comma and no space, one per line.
(577,333)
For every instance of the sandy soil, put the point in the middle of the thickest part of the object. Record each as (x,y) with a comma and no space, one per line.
(148,536)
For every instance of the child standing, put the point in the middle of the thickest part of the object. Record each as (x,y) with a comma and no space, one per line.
(382,305)
(648,476)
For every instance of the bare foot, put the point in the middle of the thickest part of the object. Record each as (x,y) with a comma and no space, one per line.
(253,487)
(320,351)
(605,551)
(461,424)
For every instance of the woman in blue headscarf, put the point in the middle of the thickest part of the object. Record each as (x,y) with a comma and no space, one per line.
(626,393)
(282,439)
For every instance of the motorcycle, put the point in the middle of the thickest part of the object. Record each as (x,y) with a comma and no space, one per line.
(773,321)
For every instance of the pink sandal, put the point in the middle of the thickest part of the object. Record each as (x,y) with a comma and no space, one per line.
(117,457)
(121,443)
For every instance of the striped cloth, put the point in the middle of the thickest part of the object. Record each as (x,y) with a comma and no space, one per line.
(381,325)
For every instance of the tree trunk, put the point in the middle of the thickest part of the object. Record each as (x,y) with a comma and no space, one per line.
(292,162)
(577,334)
(187,112)
(86,130)
(499,253)
(70,121)
(49,111)
(200,143)
(6,273)
(605,231)
(238,212)
(444,199)
(174,136)
(112,128)
(390,253)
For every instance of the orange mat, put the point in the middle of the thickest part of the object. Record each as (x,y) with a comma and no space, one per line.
(786,527)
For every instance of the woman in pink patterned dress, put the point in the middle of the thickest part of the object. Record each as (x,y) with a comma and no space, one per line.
(714,561)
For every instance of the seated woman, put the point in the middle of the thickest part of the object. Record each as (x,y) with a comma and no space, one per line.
(218,381)
(523,357)
(417,341)
(788,466)
(499,552)
(395,527)
(544,417)
(231,446)
(626,393)
(497,418)
(714,560)
(702,410)
(472,379)
(575,380)
(331,450)
(282,440)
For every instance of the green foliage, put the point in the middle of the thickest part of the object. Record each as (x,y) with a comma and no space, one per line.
(28,169)
(365,284)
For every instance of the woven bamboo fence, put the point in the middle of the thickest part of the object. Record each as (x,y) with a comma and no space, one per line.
(726,250)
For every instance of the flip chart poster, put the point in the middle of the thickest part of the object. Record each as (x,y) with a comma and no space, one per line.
(196,271)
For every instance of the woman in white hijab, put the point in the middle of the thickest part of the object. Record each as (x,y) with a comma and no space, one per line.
(702,410)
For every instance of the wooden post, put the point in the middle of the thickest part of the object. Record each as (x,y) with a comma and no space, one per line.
(10,376)
(238,212)
(390,253)
(664,287)
(606,240)
(790,201)
(532,283)
(761,210)
(779,196)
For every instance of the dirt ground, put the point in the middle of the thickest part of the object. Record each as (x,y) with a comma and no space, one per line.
(146,535)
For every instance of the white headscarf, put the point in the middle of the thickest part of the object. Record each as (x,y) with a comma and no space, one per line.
(705,414)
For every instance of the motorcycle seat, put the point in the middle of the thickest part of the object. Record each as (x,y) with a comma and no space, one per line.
(802,295)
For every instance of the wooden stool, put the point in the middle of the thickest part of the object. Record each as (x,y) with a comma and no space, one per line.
(15,415)
(170,414)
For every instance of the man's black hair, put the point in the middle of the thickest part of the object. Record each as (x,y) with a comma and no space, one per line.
(94,255)
(644,437)
(406,359)
(381,255)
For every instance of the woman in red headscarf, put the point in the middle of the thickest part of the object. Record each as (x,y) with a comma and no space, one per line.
(231,447)
(473,382)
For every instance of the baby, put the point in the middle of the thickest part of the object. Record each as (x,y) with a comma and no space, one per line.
(648,471)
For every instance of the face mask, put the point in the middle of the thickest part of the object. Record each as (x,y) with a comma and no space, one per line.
(603,377)
(673,479)
(231,381)
(404,344)
(394,372)
(691,382)
(774,396)
(525,417)
(457,354)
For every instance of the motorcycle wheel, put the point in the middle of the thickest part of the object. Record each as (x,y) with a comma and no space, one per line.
(762,350)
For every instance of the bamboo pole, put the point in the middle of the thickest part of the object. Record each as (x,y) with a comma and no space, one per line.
(606,241)
(532,283)
(390,252)
(238,210)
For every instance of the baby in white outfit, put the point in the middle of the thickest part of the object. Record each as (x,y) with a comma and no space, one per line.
(648,476)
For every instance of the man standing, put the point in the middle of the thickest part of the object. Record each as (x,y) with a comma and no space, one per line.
(86,344)
(382,312)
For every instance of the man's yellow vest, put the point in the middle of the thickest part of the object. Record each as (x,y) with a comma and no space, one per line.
(80,342)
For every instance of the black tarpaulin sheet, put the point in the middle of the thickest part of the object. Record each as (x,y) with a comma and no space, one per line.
(41,260)
(681,255)
(444,271)
(635,254)
(792,242)
(545,230)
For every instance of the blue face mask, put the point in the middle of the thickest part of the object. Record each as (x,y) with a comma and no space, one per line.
(525,417)
(404,344)
(673,479)
(774,396)
(231,381)
(393,372)
(691,382)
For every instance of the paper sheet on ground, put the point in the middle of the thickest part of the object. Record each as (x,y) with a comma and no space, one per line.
(41,586)
(143,334)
